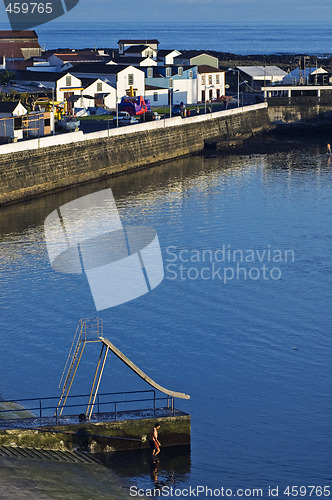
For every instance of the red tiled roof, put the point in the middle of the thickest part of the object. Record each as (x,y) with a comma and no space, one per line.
(23,34)
(13,50)
(204,68)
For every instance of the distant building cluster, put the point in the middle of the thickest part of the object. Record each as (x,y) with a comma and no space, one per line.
(90,78)
(80,81)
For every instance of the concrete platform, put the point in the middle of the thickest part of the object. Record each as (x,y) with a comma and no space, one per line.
(102,434)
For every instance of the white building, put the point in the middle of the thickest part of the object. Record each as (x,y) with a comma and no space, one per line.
(125,44)
(181,81)
(158,96)
(98,94)
(141,51)
(210,83)
(10,109)
(128,80)
(189,84)
(68,85)
(166,57)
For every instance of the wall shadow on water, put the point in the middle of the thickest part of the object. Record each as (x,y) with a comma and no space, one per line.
(175,174)
(170,468)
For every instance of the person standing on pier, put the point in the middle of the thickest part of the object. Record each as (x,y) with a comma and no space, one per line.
(328,148)
(154,442)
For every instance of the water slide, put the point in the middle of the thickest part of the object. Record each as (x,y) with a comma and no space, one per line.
(140,373)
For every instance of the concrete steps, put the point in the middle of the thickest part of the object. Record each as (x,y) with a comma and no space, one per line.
(50,455)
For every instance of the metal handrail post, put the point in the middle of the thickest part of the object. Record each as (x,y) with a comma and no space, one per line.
(115,408)
(40,408)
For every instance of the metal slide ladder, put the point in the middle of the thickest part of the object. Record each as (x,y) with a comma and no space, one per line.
(88,330)
(92,331)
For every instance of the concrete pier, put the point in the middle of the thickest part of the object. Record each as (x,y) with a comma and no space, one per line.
(97,437)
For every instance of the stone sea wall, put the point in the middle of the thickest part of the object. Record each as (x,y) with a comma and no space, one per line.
(35,167)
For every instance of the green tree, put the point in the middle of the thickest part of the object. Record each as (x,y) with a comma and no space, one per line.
(6,76)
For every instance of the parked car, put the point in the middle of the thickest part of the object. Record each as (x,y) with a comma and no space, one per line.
(150,116)
(69,123)
(176,109)
(122,115)
(124,118)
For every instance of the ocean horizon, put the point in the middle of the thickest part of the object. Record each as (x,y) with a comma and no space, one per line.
(233,37)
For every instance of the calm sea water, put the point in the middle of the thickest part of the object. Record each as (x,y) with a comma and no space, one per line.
(254,353)
(239,38)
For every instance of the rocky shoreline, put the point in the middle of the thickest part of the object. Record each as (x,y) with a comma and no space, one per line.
(284,61)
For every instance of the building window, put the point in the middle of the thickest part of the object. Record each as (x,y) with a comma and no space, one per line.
(217,78)
(171,83)
(131,79)
(190,74)
(150,72)
(210,79)
(203,79)
(68,81)
(47,122)
(99,87)
(155,96)
(168,72)
(180,71)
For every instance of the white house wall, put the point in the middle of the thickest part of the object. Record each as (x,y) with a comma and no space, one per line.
(123,82)
(214,86)
(61,84)
(148,62)
(147,53)
(162,96)
(185,90)
(110,100)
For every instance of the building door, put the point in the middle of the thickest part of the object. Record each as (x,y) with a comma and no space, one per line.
(70,105)
(203,95)
(99,101)
(218,93)
(210,94)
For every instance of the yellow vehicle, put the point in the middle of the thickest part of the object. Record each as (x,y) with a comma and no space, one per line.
(60,107)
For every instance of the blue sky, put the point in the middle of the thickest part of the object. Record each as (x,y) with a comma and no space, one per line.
(205,10)
(198,10)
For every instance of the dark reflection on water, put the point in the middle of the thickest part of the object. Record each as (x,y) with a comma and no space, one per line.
(172,467)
